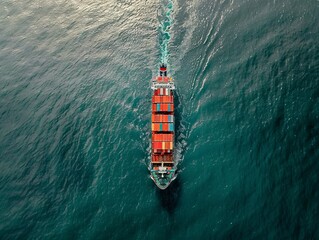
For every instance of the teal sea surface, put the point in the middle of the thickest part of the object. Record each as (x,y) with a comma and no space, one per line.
(75,112)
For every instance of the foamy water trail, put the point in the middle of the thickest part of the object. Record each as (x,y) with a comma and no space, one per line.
(164,27)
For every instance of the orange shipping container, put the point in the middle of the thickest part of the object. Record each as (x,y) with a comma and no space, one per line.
(163,137)
(157,118)
(167,145)
(157,137)
(168,137)
(167,99)
(171,138)
(155,127)
(164,107)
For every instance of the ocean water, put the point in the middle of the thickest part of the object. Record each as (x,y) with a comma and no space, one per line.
(75,119)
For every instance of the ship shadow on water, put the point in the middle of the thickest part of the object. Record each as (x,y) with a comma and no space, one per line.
(170,197)
(177,116)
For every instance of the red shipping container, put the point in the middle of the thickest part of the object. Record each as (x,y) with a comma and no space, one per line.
(161,137)
(165,137)
(171,138)
(157,145)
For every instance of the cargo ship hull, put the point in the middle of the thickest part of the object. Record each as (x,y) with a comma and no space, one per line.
(163,167)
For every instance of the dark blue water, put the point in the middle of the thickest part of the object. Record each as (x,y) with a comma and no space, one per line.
(75,119)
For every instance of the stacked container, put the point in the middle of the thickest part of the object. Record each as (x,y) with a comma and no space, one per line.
(163,121)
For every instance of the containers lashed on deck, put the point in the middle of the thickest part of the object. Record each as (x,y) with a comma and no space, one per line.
(160,137)
(163,145)
(163,127)
(163,107)
(162,118)
(162,99)
(162,121)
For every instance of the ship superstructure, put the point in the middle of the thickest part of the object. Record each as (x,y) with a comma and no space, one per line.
(163,166)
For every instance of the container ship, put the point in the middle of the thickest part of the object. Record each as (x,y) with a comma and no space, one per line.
(162,167)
